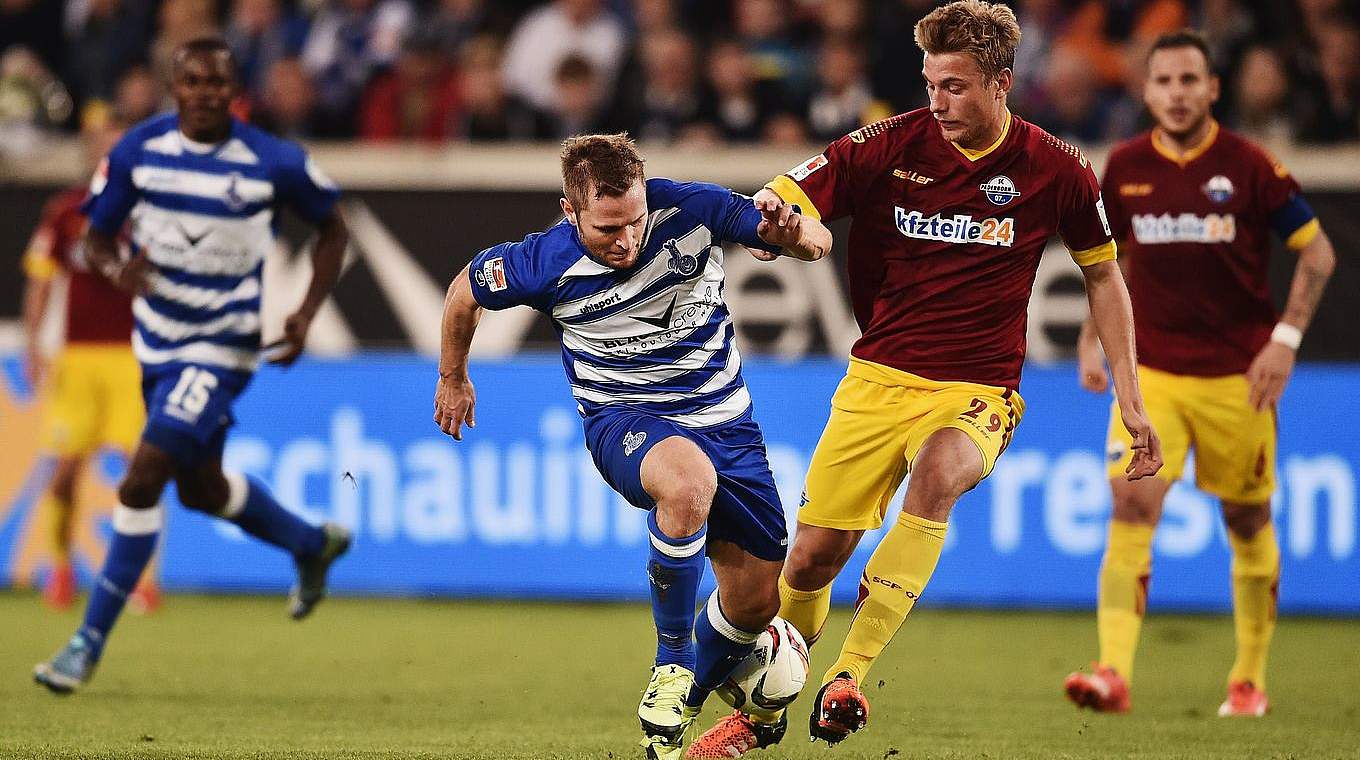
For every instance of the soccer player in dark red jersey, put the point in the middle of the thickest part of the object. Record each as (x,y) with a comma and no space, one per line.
(92,386)
(952,207)
(1193,206)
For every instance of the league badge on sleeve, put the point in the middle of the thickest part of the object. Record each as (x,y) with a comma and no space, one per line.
(999,190)
(801,172)
(493,271)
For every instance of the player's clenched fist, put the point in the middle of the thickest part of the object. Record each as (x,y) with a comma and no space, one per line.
(1147,448)
(454,403)
(799,236)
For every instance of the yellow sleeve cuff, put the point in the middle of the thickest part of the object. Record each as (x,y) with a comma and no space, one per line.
(1304,235)
(39,266)
(1106,251)
(791,193)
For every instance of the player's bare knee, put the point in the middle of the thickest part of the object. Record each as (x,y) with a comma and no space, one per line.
(203,494)
(64,478)
(1245,520)
(140,491)
(752,611)
(813,564)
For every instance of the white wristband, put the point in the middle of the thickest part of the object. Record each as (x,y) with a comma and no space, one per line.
(1288,335)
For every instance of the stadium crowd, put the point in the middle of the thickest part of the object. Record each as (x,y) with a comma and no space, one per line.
(693,72)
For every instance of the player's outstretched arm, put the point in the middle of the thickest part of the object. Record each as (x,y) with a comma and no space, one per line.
(454,397)
(1112,315)
(1270,370)
(801,237)
(327,256)
(101,251)
(37,294)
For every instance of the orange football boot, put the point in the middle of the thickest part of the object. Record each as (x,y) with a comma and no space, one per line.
(59,591)
(1102,690)
(146,598)
(841,710)
(736,734)
(1244,701)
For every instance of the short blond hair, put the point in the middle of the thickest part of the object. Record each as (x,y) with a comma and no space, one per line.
(986,31)
(594,166)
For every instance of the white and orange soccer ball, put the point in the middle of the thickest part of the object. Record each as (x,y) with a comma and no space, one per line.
(770,678)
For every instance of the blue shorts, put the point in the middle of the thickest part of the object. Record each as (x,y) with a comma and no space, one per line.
(746,510)
(188,410)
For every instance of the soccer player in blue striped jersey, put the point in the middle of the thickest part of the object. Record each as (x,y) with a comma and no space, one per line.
(632,279)
(198,190)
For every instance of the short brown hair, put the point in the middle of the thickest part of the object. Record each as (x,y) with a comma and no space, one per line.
(594,166)
(1183,38)
(986,31)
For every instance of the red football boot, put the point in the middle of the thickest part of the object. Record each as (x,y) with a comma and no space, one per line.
(841,710)
(1103,690)
(59,591)
(1244,701)
(736,734)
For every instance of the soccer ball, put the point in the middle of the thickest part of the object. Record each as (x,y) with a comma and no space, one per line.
(769,679)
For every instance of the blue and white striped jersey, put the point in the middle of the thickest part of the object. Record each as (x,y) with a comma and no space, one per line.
(204,215)
(656,337)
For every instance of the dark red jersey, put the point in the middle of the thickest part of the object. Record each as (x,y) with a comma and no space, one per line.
(944,242)
(96,311)
(1195,232)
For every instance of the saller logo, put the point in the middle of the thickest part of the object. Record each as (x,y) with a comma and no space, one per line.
(960,228)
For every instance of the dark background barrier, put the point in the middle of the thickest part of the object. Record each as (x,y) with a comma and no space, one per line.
(789,310)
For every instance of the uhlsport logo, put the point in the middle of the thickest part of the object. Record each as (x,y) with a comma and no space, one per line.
(631,442)
(1219,189)
(999,190)
(683,264)
(959,228)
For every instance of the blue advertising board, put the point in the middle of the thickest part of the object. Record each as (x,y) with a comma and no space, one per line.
(517,509)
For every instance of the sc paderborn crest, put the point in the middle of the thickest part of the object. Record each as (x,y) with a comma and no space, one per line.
(1219,189)
(683,264)
(999,190)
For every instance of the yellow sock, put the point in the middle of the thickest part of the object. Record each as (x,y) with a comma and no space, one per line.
(1122,601)
(805,610)
(59,517)
(1256,578)
(893,580)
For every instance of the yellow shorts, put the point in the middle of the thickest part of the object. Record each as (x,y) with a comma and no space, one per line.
(1234,444)
(94,398)
(880,417)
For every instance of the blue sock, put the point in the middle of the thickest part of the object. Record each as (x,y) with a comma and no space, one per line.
(135,532)
(722,647)
(674,569)
(253,509)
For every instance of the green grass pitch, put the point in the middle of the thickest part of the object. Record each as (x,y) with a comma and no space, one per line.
(213,677)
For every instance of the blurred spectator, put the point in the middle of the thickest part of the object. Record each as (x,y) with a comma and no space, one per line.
(843,19)
(417,99)
(1074,108)
(1333,113)
(843,101)
(453,22)
(287,103)
(896,60)
(764,26)
(262,33)
(735,107)
(579,98)
(653,16)
(1260,96)
(35,24)
(180,21)
(546,36)
(669,101)
(1041,22)
(488,112)
(351,40)
(31,101)
(104,38)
